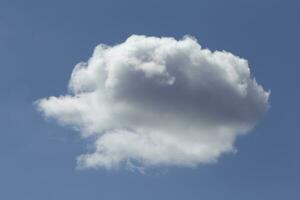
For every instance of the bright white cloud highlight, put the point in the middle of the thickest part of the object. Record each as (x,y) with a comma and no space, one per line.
(158,102)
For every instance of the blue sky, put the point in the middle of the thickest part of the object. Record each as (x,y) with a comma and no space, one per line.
(41,41)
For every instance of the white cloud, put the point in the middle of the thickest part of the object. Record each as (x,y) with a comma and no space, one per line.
(158,102)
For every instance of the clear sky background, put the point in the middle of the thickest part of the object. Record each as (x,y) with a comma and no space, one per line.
(41,41)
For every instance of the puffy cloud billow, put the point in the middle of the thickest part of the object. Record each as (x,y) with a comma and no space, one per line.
(153,101)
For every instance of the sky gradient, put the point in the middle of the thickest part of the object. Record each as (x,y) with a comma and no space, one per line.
(41,41)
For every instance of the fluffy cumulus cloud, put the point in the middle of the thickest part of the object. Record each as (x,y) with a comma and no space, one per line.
(153,101)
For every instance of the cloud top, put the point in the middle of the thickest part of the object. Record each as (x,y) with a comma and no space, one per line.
(153,101)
